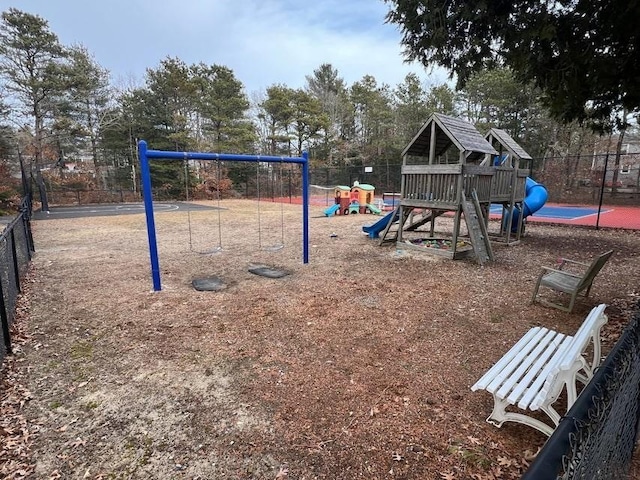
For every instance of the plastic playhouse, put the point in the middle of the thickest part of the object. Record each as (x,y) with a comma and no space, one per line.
(356,199)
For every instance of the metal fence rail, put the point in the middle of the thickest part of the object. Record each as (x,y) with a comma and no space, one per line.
(16,247)
(596,439)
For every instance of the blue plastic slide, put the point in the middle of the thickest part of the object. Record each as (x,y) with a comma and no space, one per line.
(535,197)
(332,209)
(374,230)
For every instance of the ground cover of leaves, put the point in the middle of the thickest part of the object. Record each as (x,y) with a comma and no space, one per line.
(356,365)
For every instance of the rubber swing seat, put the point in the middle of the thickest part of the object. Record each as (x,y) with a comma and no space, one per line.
(266,271)
(208,284)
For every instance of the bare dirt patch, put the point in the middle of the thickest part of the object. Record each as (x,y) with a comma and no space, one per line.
(357,365)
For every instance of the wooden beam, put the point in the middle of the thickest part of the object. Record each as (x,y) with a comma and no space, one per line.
(454,169)
(432,143)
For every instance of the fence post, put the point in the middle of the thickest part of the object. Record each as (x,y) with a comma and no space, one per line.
(602,184)
(25,210)
(4,319)
(14,253)
(26,225)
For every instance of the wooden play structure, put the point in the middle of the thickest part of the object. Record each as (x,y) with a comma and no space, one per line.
(448,168)
(511,169)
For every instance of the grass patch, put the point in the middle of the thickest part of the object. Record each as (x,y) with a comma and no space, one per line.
(81,351)
(470,455)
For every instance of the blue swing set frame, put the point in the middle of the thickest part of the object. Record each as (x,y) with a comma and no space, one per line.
(146,154)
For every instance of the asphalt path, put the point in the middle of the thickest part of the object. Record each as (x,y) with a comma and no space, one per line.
(107,210)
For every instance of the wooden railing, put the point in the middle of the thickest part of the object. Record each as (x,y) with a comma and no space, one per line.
(438,186)
(506,181)
(479,179)
(502,186)
(431,186)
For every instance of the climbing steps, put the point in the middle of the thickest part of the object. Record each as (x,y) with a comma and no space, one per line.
(477,228)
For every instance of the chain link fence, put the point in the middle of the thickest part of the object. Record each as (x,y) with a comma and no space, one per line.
(595,440)
(584,179)
(606,188)
(16,247)
(570,179)
(72,196)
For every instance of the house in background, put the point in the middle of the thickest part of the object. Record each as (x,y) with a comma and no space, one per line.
(626,174)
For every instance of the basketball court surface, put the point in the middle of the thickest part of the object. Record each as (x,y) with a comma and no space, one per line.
(610,216)
(103,210)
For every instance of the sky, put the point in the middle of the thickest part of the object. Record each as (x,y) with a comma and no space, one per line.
(264,42)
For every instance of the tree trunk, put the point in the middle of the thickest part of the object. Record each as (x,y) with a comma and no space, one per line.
(94,147)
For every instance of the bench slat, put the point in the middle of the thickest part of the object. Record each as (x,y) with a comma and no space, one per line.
(572,359)
(539,381)
(529,368)
(560,281)
(517,349)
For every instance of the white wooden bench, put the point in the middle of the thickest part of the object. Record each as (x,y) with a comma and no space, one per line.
(533,373)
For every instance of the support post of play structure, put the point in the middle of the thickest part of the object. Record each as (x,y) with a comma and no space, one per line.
(145,172)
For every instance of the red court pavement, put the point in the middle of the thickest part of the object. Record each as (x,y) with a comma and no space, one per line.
(612,216)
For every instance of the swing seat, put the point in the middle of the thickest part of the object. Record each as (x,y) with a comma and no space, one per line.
(266,271)
(208,284)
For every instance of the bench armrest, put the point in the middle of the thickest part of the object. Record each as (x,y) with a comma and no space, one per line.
(562,272)
(563,261)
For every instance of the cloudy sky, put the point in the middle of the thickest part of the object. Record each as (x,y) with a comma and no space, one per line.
(263,41)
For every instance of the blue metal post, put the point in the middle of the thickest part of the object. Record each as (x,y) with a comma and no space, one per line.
(145,173)
(305,208)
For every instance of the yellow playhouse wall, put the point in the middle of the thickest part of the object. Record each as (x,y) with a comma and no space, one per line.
(363,194)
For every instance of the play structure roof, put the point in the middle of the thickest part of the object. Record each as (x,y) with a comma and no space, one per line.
(508,143)
(364,186)
(449,130)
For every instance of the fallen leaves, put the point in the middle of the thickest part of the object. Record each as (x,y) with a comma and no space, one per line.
(16,436)
(283,472)
(474,440)
(370,390)
(78,442)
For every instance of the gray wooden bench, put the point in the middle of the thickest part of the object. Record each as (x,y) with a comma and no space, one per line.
(562,279)
(543,363)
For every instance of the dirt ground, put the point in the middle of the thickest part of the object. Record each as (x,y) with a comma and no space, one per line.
(356,365)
